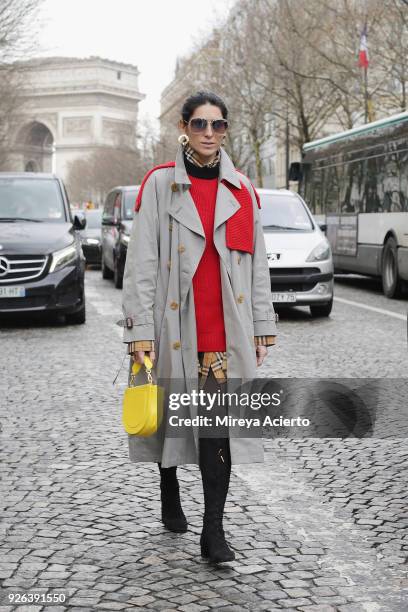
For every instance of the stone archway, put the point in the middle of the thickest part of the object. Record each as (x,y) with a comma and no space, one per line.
(36,144)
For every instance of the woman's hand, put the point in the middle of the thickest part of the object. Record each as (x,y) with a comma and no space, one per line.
(138,356)
(261,353)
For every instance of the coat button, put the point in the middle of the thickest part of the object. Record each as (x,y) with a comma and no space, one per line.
(240,298)
(174,305)
(174,187)
(176,345)
(171,226)
(181,249)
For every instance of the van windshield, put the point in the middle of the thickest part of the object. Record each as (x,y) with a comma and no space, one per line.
(33,199)
(283,213)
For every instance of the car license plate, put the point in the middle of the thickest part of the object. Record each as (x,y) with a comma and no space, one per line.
(10,292)
(283,297)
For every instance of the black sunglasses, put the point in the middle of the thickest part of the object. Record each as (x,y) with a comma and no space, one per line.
(197,125)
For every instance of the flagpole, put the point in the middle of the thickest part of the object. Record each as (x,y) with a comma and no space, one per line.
(365,94)
(363,62)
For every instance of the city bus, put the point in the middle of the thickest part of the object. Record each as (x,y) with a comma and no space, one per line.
(356,185)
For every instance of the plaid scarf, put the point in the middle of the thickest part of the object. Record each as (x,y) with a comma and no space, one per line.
(192,157)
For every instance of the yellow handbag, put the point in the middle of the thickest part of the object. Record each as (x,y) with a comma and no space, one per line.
(142,409)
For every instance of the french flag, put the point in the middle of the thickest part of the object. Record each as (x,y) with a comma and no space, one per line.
(363,52)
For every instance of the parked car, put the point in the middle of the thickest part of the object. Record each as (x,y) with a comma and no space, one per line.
(41,261)
(91,236)
(299,254)
(116,225)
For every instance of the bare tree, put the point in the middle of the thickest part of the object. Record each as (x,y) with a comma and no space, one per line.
(107,167)
(289,69)
(391,44)
(226,63)
(198,70)
(148,144)
(316,45)
(17,34)
(240,79)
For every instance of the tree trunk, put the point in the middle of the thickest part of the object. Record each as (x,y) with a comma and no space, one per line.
(258,164)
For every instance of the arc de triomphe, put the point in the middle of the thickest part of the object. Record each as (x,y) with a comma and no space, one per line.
(71,107)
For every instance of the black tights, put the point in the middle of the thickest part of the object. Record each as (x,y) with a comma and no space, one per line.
(215,467)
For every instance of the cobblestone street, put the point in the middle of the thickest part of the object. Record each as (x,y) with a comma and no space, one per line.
(320,526)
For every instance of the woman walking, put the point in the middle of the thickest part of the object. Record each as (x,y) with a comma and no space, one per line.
(197,300)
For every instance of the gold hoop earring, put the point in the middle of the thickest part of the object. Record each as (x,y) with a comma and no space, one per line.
(183,139)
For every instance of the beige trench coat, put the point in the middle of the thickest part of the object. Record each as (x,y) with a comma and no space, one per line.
(166,244)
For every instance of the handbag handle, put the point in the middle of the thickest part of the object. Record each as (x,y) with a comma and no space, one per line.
(148,367)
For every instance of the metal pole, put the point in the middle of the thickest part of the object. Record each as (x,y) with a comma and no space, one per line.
(287,148)
(365,95)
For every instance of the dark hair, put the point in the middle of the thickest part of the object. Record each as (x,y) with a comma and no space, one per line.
(200,98)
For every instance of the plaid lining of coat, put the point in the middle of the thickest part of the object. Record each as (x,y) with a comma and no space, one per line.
(214,360)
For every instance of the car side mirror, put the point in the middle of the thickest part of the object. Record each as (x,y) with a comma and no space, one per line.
(323,227)
(79,221)
(109,221)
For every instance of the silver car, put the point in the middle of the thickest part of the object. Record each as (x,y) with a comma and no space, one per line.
(299,255)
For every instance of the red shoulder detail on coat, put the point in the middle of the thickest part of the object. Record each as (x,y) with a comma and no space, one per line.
(240,227)
(258,199)
(138,202)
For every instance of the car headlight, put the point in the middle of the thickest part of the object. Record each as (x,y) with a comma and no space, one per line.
(91,241)
(320,252)
(125,238)
(63,257)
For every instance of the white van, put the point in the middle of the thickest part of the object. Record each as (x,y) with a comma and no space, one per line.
(299,254)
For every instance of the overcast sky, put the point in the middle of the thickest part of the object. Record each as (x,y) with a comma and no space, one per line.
(148,33)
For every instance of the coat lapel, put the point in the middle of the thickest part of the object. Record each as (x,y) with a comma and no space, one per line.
(226,204)
(183,209)
(181,205)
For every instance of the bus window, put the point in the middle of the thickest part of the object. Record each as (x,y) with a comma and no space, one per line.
(317,182)
(394,199)
(371,197)
(352,196)
(332,189)
(306,186)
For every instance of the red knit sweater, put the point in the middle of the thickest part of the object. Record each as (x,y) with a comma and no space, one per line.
(207,278)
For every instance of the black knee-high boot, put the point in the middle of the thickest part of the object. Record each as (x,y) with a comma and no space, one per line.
(172,513)
(215,467)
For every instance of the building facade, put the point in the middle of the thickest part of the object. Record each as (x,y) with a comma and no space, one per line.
(199,69)
(70,107)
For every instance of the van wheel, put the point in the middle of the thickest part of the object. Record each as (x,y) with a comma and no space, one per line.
(76,318)
(391,282)
(321,310)
(106,272)
(117,275)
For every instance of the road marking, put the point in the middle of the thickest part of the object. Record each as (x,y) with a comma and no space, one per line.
(389,313)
